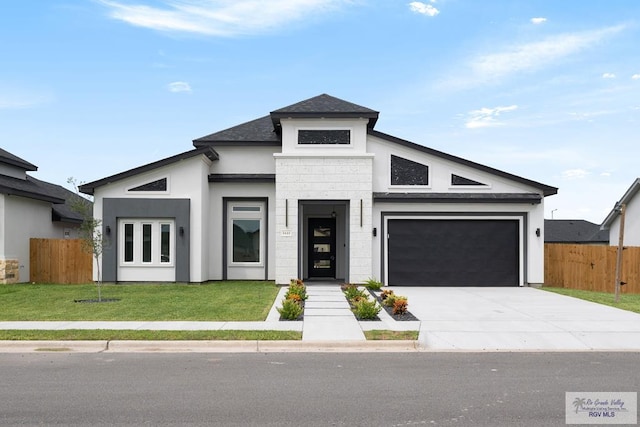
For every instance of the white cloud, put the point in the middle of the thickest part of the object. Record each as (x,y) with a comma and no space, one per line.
(179,87)
(218,17)
(608,76)
(526,57)
(575,174)
(636,77)
(423,8)
(487,117)
(538,21)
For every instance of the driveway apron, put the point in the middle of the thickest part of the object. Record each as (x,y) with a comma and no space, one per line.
(517,319)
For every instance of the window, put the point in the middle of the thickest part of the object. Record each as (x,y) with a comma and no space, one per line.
(324,137)
(460,180)
(246,233)
(147,242)
(158,185)
(407,172)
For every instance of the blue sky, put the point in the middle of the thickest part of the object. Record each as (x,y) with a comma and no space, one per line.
(548,90)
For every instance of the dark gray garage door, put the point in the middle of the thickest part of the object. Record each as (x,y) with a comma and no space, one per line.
(453,252)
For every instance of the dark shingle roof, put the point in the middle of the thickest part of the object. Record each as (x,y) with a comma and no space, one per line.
(256,131)
(8,158)
(61,211)
(573,231)
(626,198)
(266,130)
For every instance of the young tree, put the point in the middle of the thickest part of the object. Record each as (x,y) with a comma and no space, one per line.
(93,241)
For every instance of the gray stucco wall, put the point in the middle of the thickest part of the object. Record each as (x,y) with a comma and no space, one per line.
(176,209)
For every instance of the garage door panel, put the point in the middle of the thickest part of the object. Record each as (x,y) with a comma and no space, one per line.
(453,252)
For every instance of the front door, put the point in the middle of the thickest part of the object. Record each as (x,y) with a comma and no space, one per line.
(322,247)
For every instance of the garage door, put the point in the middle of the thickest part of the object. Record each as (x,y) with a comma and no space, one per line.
(428,252)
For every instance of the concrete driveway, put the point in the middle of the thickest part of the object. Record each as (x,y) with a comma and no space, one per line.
(517,319)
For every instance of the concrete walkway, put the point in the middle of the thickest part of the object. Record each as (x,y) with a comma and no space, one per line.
(327,316)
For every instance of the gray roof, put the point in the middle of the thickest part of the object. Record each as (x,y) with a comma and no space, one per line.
(10,159)
(258,131)
(626,198)
(573,231)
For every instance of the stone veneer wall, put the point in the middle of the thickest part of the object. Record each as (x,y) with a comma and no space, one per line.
(323,178)
(9,271)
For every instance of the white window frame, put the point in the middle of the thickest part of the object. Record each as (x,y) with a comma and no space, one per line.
(240,214)
(156,242)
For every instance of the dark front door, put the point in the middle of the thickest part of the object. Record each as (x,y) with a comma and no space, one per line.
(322,247)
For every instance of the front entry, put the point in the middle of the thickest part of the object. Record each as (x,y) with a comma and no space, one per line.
(322,247)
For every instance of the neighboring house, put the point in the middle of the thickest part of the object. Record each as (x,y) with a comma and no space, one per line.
(29,208)
(312,190)
(632,218)
(577,231)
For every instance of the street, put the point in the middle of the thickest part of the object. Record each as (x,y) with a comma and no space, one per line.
(323,389)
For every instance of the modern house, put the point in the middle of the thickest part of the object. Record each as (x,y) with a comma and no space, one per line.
(313,190)
(29,208)
(632,218)
(574,231)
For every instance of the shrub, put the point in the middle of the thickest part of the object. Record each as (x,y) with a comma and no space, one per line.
(385,294)
(373,284)
(352,291)
(400,305)
(294,297)
(290,309)
(389,300)
(366,309)
(297,287)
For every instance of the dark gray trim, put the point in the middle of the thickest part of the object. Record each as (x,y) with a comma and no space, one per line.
(176,209)
(225,237)
(546,189)
(209,152)
(532,198)
(242,177)
(444,215)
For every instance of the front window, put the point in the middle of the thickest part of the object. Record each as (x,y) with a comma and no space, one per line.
(147,242)
(408,172)
(246,224)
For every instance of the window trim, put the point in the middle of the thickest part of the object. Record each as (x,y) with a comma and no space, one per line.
(241,214)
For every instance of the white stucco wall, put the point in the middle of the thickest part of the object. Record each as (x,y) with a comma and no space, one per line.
(250,160)
(631,225)
(23,219)
(186,179)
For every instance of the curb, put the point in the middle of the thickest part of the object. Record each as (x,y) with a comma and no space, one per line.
(207,346)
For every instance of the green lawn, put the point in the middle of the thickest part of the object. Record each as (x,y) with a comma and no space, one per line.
(378,334)
(110,335)
(630,302)
(211,301)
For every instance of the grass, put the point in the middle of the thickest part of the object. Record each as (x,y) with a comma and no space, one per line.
(110,335)
(211,301)
(630,302)
(391,335)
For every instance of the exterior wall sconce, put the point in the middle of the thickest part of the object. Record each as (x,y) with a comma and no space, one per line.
(107,230)
(538,232)
(375,232)
(181,231)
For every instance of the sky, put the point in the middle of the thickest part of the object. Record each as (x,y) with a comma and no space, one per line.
(544,89)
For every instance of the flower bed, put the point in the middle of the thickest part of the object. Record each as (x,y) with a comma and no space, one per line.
(395,305)
(293,302)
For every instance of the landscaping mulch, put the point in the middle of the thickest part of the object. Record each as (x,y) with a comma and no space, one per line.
(399,317)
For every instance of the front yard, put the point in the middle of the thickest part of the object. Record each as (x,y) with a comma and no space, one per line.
(630,302)
(212,301)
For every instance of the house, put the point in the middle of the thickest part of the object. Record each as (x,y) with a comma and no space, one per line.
(631,221)
(574,231)
(314,191)
(29,208)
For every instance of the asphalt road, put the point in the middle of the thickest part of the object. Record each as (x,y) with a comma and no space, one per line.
(304,389)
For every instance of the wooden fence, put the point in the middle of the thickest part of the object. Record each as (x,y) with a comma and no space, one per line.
(60,261)
(590,267)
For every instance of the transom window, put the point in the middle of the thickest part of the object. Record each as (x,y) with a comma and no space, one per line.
(408,172)
(461,180)
(146,242)
(246,222)
(157,185)
(324,137)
